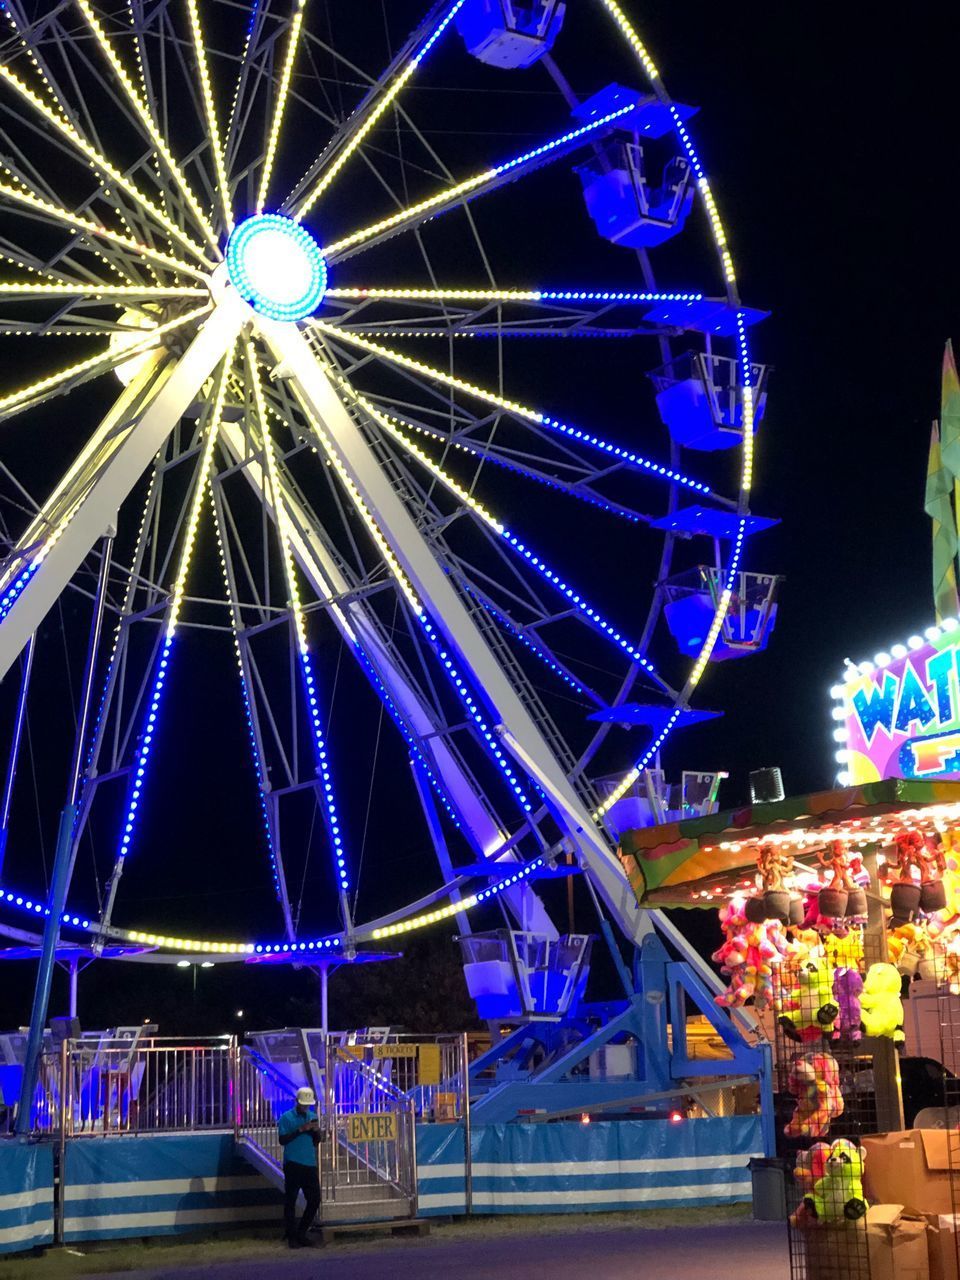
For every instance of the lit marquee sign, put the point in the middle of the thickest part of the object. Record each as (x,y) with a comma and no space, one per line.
(899,716)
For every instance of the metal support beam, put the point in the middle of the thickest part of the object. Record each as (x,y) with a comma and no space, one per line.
(14,757)
(356,627)
(313,387)
(144,430)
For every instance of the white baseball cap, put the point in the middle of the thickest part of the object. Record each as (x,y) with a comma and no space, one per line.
(306,1097)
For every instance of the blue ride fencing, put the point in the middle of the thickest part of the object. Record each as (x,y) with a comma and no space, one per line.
(162,1185)
(26,1196)
(569,1167)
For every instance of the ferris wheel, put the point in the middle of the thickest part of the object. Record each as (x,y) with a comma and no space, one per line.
(426,357)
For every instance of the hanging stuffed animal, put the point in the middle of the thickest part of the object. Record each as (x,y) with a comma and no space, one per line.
(838,1194)
(807,1172)
(748,958)
(814,1081)
(880,1004)
(809,1009)
(847,986)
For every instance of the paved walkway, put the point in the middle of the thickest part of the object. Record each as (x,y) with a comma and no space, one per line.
(751,1251)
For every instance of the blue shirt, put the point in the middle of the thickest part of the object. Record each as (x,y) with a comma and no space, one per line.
(302,1149)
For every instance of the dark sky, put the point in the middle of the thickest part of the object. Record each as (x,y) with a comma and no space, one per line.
(830,136)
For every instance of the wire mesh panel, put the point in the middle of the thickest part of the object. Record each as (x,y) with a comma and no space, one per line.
(825,1102)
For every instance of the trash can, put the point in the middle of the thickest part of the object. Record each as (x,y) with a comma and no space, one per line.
(769,1178)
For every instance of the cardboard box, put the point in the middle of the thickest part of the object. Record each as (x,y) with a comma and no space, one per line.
(885,1245)
(915,1168)
(897,1244)
(943,1243)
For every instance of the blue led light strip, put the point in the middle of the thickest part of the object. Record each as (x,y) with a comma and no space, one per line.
(16,588)
(516,410)
(463,692)
(248,713)
(412,744)
(534,646)
(476,451)
(489,740)
(593,616)
(323,769)
(325,942)
(438,31)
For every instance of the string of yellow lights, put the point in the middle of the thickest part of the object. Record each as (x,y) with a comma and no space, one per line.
(94,365)
(145,117)
(280,106)
(210,110)
(78,222)
(100,162)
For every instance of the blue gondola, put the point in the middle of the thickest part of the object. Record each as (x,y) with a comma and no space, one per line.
(514,975)
(749,621)
(700,398)
(625,207)
(510,33)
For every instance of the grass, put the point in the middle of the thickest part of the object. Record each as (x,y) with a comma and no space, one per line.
(165,1251)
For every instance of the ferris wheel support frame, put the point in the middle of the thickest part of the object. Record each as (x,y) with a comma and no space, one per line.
(358,630)
(312,385)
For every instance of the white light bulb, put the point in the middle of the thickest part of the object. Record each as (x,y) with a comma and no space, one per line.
(843,778)
(899,651)
(915,642)
(836,691)
(882,659)
(865,668)
(841,757)
(839,713)
(840,735)
(933,633)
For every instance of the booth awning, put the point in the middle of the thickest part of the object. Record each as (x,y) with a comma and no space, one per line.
(693,862)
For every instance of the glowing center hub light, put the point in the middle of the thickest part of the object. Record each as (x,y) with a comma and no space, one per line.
(277,266)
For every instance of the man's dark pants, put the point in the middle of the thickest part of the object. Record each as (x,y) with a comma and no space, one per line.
(296,1178)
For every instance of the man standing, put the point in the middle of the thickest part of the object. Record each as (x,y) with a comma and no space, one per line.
(299,1132)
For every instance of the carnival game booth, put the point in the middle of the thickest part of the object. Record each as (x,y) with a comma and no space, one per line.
(839,915)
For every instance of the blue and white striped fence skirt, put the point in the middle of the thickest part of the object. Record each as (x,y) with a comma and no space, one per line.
(570,1167)
(26,1196)
(162,1186)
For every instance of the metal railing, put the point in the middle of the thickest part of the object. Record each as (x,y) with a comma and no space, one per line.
(429,1070)
(373,1123)
(155,1086)
(261,1095)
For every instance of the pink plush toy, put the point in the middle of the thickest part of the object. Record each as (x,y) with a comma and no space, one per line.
(814,1081)
(748,958)
(847,985)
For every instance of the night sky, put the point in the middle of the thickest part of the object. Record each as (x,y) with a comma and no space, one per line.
(830,138)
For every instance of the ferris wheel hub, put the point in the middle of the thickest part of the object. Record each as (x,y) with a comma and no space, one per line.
(277,266)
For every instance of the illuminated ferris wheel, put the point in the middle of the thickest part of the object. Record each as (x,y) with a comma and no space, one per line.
(435,352)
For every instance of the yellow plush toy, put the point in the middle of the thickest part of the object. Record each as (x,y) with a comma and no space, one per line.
(880,1005)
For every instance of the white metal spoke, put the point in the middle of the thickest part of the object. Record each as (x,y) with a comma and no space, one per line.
(280,106)
(366,119)
(210,110)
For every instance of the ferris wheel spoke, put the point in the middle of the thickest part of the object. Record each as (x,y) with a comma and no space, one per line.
(582,605)
(210,111)
(280,105)
(617,454)
(407,548)
(372,109)
(324,766)
(459,792)
(139,769)
(144,115)
(41,579)
(64,217)
(478,184)
(71,376)
(63,126)
(530,640)
(579,486)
